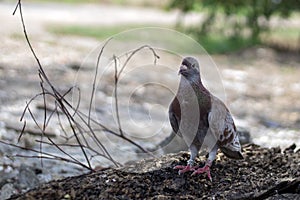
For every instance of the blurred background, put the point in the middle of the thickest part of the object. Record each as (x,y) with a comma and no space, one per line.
(255,45)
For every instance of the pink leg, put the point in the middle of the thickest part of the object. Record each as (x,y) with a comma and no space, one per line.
(204,169)
(185,168)
(189,167)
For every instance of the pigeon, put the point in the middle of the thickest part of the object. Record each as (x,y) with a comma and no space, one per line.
(202,120)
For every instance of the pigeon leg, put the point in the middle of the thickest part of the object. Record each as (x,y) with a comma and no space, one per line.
(206,168)
(189,167)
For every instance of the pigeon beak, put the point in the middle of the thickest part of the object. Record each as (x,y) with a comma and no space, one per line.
(182,69)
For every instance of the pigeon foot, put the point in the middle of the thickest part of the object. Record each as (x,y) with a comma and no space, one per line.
(185,168)
(202,170)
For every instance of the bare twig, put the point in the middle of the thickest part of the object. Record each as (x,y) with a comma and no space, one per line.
(47,155)
(116,78)
(95,78)
(80,123)
(136,51)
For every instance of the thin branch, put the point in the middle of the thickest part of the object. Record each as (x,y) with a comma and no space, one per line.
(47,154)
(79,122)
(78,146)
(22,131)
(136,51)
(71,120)
(116,95)
(95,79)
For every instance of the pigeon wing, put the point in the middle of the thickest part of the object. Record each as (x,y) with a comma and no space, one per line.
(175,116)
(222,126)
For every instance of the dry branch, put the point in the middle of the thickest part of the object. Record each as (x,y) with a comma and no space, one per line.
(54,103)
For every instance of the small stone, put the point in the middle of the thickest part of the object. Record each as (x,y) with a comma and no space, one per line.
(44,177)
(27,177)
(7,191)
(290,148)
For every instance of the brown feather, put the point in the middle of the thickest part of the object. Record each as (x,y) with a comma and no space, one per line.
(175,115)
(223,127)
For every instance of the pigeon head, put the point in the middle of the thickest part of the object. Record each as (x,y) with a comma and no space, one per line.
(189,68)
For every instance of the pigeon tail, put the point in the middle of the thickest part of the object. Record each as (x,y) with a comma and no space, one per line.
(232,154)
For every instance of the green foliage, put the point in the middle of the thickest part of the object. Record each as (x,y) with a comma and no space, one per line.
(88,31)
(65,1)
(184,6)
(241,21)
(218,44)
(214,43)
(131,34)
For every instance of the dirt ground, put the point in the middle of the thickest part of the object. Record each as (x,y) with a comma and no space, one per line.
(264,174)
